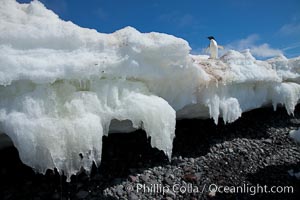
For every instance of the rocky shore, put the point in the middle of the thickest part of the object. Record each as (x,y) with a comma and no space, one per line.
(254,151)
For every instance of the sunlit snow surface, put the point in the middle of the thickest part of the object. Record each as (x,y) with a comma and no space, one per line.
(62,85)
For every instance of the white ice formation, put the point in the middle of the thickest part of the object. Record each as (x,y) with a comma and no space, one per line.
(61,86)
(295,135)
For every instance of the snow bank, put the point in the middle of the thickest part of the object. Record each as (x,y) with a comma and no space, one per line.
(63,87)
(51,124)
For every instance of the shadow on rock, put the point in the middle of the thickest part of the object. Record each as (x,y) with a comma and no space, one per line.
(131,153)
(122,154)
(194,137)
(281,176)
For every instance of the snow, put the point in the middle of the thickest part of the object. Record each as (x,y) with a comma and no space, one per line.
(63,87)
(295,135)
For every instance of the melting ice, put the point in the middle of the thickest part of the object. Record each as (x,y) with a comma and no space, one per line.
(61,86)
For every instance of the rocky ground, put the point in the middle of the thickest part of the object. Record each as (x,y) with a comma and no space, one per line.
(254,150)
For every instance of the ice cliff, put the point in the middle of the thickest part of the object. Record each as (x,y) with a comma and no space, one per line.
(61,86)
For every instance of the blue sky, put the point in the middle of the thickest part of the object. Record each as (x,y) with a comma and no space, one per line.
(267,27)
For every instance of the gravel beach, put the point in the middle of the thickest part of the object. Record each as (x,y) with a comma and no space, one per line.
(252,153)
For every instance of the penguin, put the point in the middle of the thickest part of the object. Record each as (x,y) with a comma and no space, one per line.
(213,47)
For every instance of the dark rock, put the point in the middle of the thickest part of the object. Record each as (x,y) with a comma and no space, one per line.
(145,178)
(170,193)
(133,196)
(119,190)
(230,150)
(82,194)
(117,181)
(187,169)
(132,178)
(56,196)
(267,141)
(192,160)
(295,121)
(190,178)
(168,181)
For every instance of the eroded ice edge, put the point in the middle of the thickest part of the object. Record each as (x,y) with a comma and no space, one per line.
(62,85)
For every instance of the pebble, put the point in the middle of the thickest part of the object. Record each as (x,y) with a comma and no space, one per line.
(295,121)
(145,178)
(120,190)
(168,181)
(171,176)
(170,193)
(192,160)
(187,169)
(132,178)
(267,141)
(212,194)
(133,196)
(190,177)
